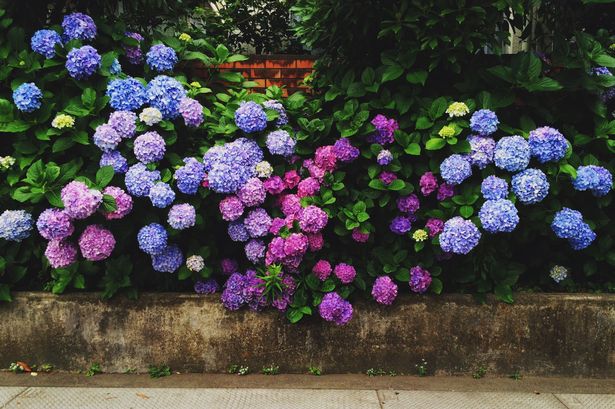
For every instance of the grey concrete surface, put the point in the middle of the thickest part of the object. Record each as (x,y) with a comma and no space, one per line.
(539,335)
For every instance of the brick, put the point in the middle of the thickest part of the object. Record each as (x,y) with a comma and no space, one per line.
(280,63)
(296,73)
(227,65)
(251,63)
(305,63)
(260,81)
(266,72)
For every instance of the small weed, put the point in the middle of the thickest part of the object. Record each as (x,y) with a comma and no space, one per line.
(480,372)
(159,371)
(375,372)
(46,368)
(94,369)
(15,367)
(516,376)
(238,369)
(314,370)
(270,370)
(233,369)
(392,373)
(130,370)
(421,368)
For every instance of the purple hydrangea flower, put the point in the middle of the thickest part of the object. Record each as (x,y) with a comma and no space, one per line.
(344,151)
(408,204)
(231,208)
(60,253)
(594,178)
(498,216)
(428,183)
(512,153)
(494,188)
(482,150)
(124,123)
(27,97)
(161,58)
(384,290)
(384,157)
(161,195)
(400,225)
(255,251)
(233,293)
(165,94)
(322,269)
(80,201)
(15,225)
(455,169)
(134,53)
(445,191)
(434,226)
(44,42)
(152,238)
(530,186)
(308,187)
(279,108)
(253,193)
(257,223)
(78,26)
(54,224)
(237,231)
(206,287)
(182,216)
(229,266)
(459,236)
(547,144)
(387,177)
(189,176)
(484,122)
(139,180)
(420,279)
(192,112)
(385,130)
(250,117)
(312,219)
(345,272)
(82,62)
(334,308)
(149,147)
(168,260)
(123,202)
(106,138)
(232,164)
(96,243)
(126,94)
(280,143)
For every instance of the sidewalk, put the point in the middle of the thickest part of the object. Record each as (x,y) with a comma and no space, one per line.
(300,391)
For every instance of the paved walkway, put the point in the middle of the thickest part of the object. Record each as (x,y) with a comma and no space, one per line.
(61,391)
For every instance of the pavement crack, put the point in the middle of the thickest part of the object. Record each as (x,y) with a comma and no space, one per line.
(560,401)
(4,405)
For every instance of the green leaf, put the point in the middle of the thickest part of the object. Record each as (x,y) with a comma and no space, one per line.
(392,72)
(5,293)
(109,204)
(423,123)
(237,57)
(397,184)
(568,169)
(231,76)
(503,292)
(294,315)
(356,89)
(368,76)
(466,211)
(15,126)
(76,110)
(221,52)
(436,285)
(605,60)
(417,77)
(403,274)
(104,176)
(377,184)
(61,144)
(88,97)
(434,144)
(437,108)
(544,84)
(413,149)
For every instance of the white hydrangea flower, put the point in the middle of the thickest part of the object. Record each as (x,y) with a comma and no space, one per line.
(150,116)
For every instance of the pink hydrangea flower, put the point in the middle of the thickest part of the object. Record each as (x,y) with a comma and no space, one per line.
(96,243)
(322,269)
(345,272)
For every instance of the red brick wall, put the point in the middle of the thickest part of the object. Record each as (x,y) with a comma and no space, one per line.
(285,71)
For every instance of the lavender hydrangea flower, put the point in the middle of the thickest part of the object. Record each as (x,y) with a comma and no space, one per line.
(420,279)
(189,176)
(96,243)
(165,94)
(82,62)
(408,204)
(344,151)
(106,138)
(27,97)
(594,178)
(484,122)
(15,225)
(231,208)
(498,216)
(44,43)
(134,55)
(250,117)
(445,191)
(547,144)
(233,293)
(206,287)
(459,236)
(279,108)
(237,231)
(512,153)
(255,251)
(530,186)
(149,147)
(494,188)
(455,169)
(54,224)
(123,202)
(168,260)
(126,94)
(384,290)
(257,223)
(182,216)
(385,130)
(482,150)
(78,26)
(312,219)
(280,143)
(428,183)
(253,193)
(161,195)
(152,238)
(80,201)
(192,112)
(334,308)
(124,123)
(400,225)
(60,253)
(139,180)
(161,58)
(384,157)
(231,165)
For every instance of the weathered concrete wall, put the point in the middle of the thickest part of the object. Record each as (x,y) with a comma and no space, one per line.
(542,334)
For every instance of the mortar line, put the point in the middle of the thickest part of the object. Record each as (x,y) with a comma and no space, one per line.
(560,401)
(15,397)
(380,401)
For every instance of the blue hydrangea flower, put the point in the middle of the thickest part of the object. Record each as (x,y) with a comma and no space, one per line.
(530,186)
(106,138)
(237,231)
(512,153)
(189,176)
(115,159)
(594,178)
(152,238)
(498,216)
(139,180)
(168,261)
(585,236)
(15,225)
(78,26)
(484,122)
(161,195)
(232,164)
(280,143)
(494,188)
(149,147)
(250,117)
(569,224)
(547,144)
(482,150)
(601,71)
(182,216)
(82,62)
(279,108)
(126,94)
(124,123)
(116,67)
(44,42)
(455,169)
(459,236)
(27,97)
(161,58)
(165,93)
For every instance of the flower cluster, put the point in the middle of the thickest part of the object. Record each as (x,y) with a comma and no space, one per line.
(15,225)
(455,169)
(44,42)
(161,58)
(27,97)
(568,224)
(498,215)
(594,178)
(78,26)
(385,130)
(250,117)
(82,62)
(484,122)
(334,308)
(459,236)
(547,144)
(530,186)
(512,153)
(165,94)
(229,166)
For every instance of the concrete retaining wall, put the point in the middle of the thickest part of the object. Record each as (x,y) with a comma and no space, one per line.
(541,334)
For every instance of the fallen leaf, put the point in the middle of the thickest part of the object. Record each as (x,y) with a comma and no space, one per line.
(142,396)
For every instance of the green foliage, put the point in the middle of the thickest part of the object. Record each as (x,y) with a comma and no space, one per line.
(94,369)
(270,370)
(159,371)
(314,370)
